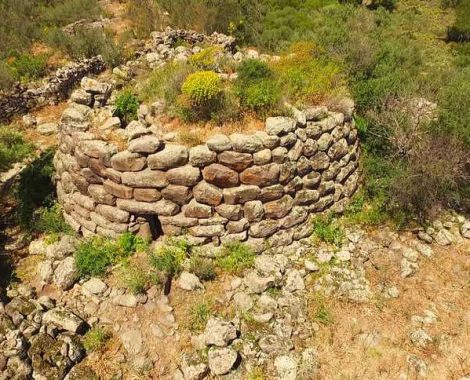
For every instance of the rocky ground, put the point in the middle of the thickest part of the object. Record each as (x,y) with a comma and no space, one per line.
(380,305)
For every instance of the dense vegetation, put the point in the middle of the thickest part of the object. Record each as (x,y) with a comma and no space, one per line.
(395,58)
(30,28)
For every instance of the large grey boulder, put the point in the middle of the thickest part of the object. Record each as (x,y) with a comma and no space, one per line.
(66,274)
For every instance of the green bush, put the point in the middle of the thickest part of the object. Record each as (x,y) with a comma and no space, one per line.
(26,67)
(94,256)
(50,220)
(236,257)
(87,43)
(133,277)
(203,268)
(13,147)
(6,76)
(252,70)
(203,88)
(199,314)
(96,338)
(460,31)
(126,106)
(261,97)
(38,176)
(206,59)
(326,229)
(169,258)
(164,83)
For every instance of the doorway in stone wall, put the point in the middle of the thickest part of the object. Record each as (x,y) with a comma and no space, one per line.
(150,226)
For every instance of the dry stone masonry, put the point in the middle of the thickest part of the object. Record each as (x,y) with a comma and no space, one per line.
(233,188)
(261,187)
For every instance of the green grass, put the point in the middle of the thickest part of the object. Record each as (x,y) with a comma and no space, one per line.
(169,257)
(96,338)
(327,229)
(13,147)
(236,257)
(203,268)
(94,256)
(199,314)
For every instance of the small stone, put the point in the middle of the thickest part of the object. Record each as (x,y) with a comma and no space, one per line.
(425,237)
(294,281)
(65,319)
(132,341)
(311,266)
(219,332)
(222,360)
(243,301)
(286,367)
(95,286)
(126,300)
(219,143)
(420,338)
(189,281)
(256,283)
(48,129)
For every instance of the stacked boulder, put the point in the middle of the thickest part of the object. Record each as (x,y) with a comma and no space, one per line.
(38,340)
(233,188)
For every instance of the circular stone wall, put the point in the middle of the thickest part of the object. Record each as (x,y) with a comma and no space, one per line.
(260,188)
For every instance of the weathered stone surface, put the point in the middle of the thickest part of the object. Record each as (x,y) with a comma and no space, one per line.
(144,144)
(235,227)
(287,172)
(100,195)
(262,157)
(320,161)
(135,129)
(270,142)
(280,125)
(97,148)
(246,143)
(338,149)
(65,275)
(118,190)
(241,194)
(179,220)
(189,281)
(80,96)
(95,286)
(145,178)
(253,211)
(296,184)
(306,197)
(201,156)
(265,175)
(219,332)
(222,360)
(219,143)
(310,148)
(65,319)
(162,207)
(279,208)
(220,176)
(235,160)
(94,86)
(264,228)
(231,212)
(288,141)
(101,221)
(316,113)
(296,151)
(171,156)
(147,195)
(208,194)
(258,284)
(197,210)
(178,194)
(127,161)
(184,175)
(207,231)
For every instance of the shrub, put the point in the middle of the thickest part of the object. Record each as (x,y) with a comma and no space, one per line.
(306,78)
(96,338)
(50,220)
(202,268)
(94,256)
(133,278)
(203,88)
(165,83)
(206,59)
(236,257)
(169,258)
(13,147)
(6,76)
(38,176)
(326,229)
(86,44)
(460,31)
(252,70)
(126,106)
(261,97)
(26,67)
